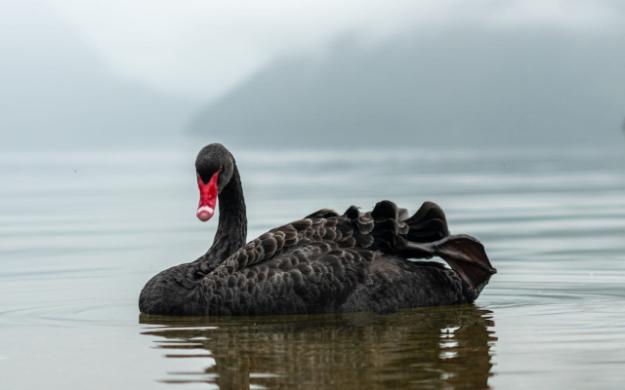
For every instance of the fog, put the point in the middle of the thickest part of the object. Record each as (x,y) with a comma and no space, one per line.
(453,88)
(312,73)
(57,89)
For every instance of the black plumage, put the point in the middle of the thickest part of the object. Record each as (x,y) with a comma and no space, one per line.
(325,262)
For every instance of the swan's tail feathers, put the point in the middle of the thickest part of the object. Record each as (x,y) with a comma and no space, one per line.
(392,224)
(424,235)
(464,254)
(428,224)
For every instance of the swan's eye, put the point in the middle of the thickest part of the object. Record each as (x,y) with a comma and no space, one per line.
(208,197)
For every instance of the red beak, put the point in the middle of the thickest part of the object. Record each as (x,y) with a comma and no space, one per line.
(208,197)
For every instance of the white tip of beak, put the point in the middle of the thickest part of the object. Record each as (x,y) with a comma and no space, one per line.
(205,213)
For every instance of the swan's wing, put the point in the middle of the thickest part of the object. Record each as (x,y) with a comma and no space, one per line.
(384,229)
(335,230)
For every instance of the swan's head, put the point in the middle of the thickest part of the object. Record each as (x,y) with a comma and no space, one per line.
(214,166)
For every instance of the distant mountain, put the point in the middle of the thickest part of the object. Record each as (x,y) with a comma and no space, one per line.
(55,89)
(454,87)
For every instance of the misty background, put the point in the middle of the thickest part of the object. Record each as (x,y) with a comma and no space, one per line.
(312,73)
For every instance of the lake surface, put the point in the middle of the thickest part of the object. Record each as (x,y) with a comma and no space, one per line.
(82,231)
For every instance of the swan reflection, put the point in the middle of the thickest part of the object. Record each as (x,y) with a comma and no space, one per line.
(441,347)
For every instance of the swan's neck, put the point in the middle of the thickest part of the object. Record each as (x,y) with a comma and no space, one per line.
(232,229)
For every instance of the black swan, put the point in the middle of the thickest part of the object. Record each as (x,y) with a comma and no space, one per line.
(325,262)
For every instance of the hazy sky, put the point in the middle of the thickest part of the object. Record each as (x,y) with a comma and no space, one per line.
(201,48)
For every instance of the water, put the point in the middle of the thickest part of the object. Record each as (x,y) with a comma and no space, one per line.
(81,232)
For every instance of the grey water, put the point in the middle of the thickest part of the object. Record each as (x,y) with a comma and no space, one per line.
(81,231)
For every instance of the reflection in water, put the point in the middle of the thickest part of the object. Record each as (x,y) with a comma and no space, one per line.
(443,347)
